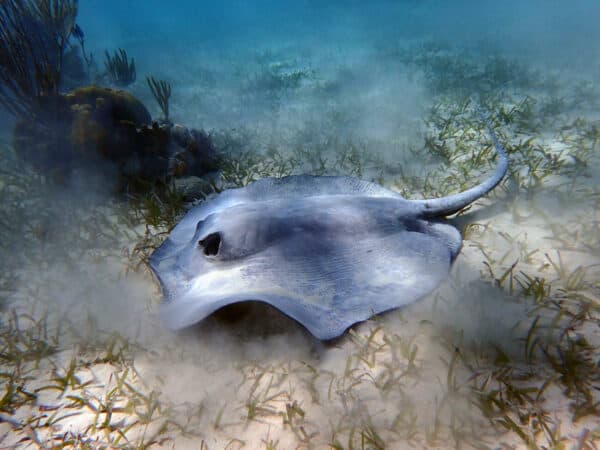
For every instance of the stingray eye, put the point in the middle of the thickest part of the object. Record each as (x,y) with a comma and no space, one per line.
(210,244)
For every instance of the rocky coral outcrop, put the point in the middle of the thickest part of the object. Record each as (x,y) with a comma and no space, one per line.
(97,125)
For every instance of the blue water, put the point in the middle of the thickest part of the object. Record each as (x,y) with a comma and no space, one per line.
(209,50)
(311,79)
(546,29)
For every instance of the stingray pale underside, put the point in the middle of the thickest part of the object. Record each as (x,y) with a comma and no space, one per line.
(326,251)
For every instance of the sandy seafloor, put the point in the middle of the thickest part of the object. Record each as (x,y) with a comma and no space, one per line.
(504,354)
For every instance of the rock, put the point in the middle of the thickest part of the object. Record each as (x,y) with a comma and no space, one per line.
(195,188)
(92,125)
(110,105)
(191,153)
(88,124)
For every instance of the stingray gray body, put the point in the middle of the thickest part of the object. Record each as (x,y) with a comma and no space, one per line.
(326,251)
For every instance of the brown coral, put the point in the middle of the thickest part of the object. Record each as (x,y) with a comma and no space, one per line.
(95,124)
(90,123)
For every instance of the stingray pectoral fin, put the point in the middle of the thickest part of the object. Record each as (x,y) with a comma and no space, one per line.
(191,309)
(326,284)
(184,312)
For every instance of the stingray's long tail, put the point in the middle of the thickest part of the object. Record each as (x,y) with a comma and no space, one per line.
(446,206)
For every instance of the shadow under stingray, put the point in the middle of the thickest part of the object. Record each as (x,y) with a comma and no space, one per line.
(251,321)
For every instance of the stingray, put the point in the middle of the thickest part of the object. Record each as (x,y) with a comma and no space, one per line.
(328,251)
